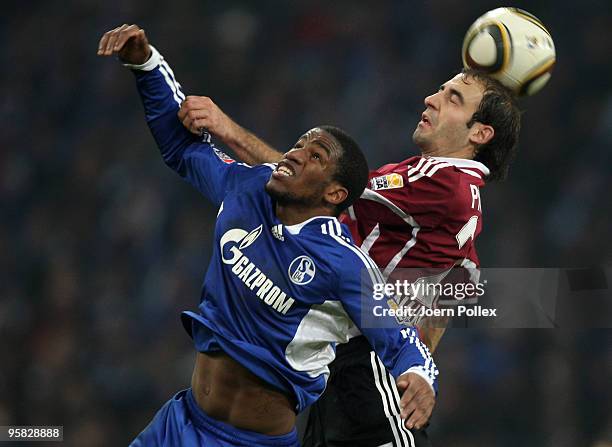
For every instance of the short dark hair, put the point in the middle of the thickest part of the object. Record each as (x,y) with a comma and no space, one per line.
(351,167)
(498,108)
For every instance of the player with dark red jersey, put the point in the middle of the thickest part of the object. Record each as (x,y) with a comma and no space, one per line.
(422,213)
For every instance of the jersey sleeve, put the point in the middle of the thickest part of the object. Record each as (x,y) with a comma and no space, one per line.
(194,158)
(398,346)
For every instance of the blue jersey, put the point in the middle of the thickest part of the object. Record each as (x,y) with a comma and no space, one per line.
(277,298)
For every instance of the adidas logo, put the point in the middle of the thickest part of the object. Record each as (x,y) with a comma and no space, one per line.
(277,232)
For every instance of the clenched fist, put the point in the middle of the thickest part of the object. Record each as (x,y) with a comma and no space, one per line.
(129,42)
(200,112)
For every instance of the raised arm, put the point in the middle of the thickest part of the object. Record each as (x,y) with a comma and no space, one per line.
(195,159)
(200,112)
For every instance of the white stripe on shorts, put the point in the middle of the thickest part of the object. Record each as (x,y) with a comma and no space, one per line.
(390,400)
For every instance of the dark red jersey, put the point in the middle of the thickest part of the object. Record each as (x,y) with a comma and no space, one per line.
(424,212)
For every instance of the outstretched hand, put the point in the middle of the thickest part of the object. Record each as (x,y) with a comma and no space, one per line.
(129,42)
(418,400)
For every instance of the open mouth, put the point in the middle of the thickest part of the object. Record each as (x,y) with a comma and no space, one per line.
(425,119)
(284,169)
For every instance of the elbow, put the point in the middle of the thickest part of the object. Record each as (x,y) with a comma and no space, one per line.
(172,150)
(171,155)
(172,162)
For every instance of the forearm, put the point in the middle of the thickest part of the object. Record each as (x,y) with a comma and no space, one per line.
(431,330)
(161,97)
(248,147)
(193,158)
(431,337)
(401,350)
(198,113)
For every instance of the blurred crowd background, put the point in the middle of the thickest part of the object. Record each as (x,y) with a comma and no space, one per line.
(101,245)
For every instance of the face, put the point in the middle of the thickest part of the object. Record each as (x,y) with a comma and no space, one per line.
(443,126)
(304,175)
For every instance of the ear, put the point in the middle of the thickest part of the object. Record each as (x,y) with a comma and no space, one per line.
(335,194)
(481,133)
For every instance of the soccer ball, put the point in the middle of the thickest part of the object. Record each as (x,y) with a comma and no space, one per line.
(513,47)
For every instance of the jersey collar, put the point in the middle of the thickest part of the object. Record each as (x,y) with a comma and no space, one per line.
(464,163)
(295,229)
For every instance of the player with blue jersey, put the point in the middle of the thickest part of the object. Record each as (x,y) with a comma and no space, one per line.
(285,282)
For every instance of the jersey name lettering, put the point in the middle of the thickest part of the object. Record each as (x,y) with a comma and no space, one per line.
(475,197)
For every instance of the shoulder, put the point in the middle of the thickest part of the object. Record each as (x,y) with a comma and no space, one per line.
(456,168)
(443,179)
(425,188)
(348,259)
(416,185)
(466,178)
(439,169)
(416,174)
(433,171)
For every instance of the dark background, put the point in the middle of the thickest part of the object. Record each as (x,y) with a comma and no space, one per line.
(101,245)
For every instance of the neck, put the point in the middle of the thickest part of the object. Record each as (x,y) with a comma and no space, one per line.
(466,152)
(294,214)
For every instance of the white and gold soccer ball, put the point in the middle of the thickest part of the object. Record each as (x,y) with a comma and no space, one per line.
(513,46)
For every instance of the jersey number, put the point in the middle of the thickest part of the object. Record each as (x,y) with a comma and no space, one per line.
(467,232)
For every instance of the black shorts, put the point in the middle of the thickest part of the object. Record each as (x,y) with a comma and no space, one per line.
(360,406)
